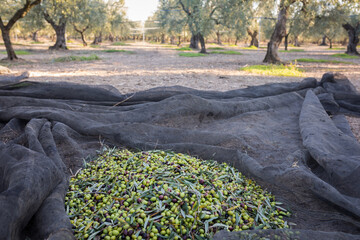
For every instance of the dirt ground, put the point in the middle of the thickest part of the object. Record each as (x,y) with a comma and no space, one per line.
(152,65)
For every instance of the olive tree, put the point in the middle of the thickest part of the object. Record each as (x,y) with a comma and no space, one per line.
(352,27)
(34,22)
(257,11)
(117,21)
(234,16)
(280,29)
(57,14)
(298,24)
(328,25)
(87,15)
(199,15)
(171,21)
(10,12)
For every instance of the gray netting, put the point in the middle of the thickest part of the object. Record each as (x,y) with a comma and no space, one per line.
(292,138)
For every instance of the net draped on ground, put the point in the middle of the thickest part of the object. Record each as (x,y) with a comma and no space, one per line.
(292,138)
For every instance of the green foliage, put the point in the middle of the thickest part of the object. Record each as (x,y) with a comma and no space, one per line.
(275,70)
(33,21)
(190,54)
(92,57)
(170,20)
(8,8)
(292,50)
(344,55)
(58,11)
(312,60)
(117,23)
(227,52)
(329,17)
(19,52)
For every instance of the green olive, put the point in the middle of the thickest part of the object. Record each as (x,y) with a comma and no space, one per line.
(120,193)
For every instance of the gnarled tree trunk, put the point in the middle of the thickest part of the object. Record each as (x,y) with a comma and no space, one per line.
(202,43)
(111,38)
(278,34)
(353,34)
(236,40)
(83,39)
(286,41)
(194,41)
(179,40)
(9,48)
(60,38)
(172,40)
(218,37)
(330,41)
(60,30)
(323,43)
(296,41)
(162,38)
(34,36)
(82,34)
(97,39)
(253,35)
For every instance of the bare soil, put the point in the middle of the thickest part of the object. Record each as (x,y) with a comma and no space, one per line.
(152,65)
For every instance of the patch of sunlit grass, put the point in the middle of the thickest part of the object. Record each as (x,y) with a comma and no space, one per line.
(275,70)
(19,52)
(216,48)
(92,57)
(117,50)
(344,55)
(227,52)
(183,49)
(312,60)
(191,54)
(336,48)
(250,48)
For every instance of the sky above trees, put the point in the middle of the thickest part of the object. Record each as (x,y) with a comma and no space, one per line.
(140,9)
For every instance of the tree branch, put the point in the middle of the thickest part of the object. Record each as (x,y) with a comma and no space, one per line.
(357,27)
(1,23)
(213,11)
(48,19)
(183,7)
(21,13)
(217,21)
(348,27)
(84,29)
(81,31)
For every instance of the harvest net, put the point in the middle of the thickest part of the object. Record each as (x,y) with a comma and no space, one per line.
(292,138)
